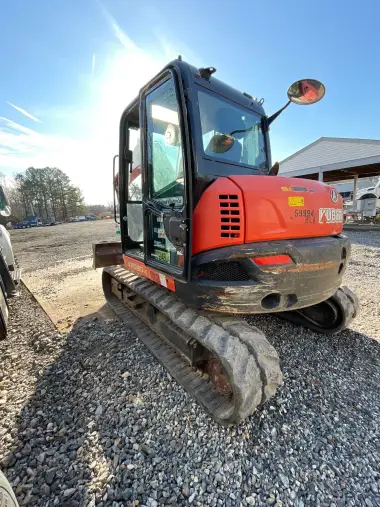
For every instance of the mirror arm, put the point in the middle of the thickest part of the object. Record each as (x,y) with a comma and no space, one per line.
(274,116)
(274,170)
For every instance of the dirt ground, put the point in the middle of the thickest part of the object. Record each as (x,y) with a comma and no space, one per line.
(56,264)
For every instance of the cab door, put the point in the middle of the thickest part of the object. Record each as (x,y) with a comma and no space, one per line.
(166,186)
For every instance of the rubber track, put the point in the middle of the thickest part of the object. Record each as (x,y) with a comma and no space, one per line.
(347,305)
(249,360)
(265,354)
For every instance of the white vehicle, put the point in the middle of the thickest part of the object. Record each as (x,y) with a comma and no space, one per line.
(6,248)
(9,274)
(7,496)
(369,190)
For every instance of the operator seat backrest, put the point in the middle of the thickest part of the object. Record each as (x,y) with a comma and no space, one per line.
(234,154)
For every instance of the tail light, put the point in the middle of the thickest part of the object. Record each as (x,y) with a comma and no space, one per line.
(272,260)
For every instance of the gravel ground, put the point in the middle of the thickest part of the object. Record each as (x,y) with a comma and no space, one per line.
(89,417)
(363,276)
(43,247)
(57,268)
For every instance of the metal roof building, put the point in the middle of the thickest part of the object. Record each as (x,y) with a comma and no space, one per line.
(334,159)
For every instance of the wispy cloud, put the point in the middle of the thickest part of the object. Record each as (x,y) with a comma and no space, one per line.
(25,113)
(121,36)
(9,124)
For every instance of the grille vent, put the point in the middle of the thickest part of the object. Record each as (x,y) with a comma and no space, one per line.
(229,205)
(222,272)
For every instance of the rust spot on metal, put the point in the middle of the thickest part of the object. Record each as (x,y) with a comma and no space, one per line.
(218,376)
(221,308)
(222,303)
(301,268)
(237,256)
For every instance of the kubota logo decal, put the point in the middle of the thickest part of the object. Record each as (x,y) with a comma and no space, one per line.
(330,216)
(334,195)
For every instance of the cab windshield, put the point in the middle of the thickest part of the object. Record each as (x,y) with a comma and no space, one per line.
(219,116)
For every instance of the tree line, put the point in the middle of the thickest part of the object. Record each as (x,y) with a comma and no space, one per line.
(48,193)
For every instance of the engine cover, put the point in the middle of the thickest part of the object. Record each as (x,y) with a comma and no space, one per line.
(285,208)
(244,209)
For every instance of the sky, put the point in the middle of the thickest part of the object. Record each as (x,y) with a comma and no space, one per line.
(68,68)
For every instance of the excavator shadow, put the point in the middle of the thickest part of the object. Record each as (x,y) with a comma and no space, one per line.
(105,417)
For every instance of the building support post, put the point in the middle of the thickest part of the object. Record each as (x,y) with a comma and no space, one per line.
(320,175)
(355,190)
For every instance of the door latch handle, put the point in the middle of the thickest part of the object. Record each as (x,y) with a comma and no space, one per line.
(175,230)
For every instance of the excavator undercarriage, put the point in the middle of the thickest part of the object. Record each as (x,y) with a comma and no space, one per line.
(228,366)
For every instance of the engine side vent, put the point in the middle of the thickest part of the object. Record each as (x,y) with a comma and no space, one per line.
(219,217)
(229,205)
(222,272)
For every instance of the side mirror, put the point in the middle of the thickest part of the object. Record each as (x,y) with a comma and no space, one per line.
(306,91)
(303,92)
(220,143)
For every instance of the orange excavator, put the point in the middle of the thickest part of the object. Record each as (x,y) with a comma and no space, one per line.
(210,231)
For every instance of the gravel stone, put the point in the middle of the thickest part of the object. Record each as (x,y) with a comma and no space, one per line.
(45,490)
(218,477)
(49,476)
(284,480)
(69,492)
(127,493)
(186,490)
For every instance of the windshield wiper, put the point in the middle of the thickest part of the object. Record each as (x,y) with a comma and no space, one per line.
(244,130)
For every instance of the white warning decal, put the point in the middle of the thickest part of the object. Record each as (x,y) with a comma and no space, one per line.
(330,216)
(163,280)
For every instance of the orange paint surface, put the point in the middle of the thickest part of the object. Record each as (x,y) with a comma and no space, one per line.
(140,269)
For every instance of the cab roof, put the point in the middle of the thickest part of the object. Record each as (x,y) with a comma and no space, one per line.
(193,75)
